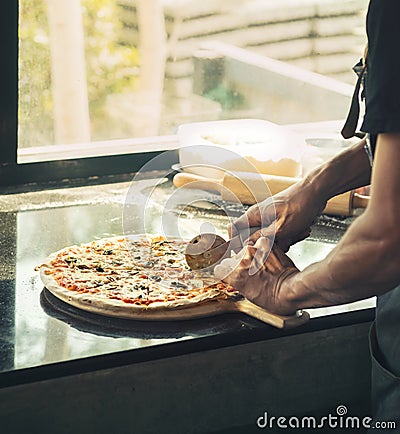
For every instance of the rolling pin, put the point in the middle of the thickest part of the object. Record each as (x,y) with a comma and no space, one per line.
(250,188)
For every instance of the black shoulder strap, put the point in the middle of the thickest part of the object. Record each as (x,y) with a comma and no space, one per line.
(350,126)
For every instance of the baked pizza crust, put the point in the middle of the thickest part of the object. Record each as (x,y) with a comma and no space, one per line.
(209,303)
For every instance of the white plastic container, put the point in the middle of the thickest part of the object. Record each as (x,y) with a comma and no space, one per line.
(246,145)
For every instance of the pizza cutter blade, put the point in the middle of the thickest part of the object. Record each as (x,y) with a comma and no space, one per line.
(207,250)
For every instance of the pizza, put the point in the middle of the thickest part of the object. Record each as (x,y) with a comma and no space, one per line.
(136,277)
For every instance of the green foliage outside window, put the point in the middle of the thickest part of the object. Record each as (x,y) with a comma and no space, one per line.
(110,67)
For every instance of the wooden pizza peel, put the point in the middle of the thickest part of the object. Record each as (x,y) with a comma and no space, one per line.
(206,308)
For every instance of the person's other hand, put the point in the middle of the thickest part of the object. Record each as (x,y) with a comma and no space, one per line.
(262,275)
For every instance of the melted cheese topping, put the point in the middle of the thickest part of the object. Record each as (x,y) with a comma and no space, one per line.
(141,272)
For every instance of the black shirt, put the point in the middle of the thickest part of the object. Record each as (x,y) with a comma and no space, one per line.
(382,82)
(382,97)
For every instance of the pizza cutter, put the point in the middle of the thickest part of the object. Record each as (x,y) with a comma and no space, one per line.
(207,250)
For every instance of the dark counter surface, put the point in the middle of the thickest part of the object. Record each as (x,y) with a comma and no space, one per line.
(42,337)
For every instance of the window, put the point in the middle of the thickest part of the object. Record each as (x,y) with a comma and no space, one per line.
(99,78)
(57,167)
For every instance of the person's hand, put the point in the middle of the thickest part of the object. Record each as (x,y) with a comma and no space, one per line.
(262,275)
(287,216)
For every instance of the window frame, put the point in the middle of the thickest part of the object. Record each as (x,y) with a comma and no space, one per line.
(26,176)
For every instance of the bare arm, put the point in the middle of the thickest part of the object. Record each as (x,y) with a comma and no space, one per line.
(288,215)
(364,263)
(346,171)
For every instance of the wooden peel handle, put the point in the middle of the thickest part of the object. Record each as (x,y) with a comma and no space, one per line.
(279,321)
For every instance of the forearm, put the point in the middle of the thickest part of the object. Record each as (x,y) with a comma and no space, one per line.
(348,170)
(366,261)
(364,264)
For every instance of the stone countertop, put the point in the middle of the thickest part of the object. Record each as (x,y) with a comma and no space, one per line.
(43,337)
